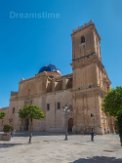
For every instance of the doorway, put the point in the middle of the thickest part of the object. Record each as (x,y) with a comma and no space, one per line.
(26,127)
(70,125)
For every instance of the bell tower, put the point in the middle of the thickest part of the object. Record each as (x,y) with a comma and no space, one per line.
(85,49)
(89,79)
(85,41)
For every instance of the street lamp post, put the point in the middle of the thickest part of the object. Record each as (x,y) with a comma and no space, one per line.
(66,112)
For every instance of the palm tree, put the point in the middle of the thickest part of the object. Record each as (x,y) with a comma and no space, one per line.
(31,112)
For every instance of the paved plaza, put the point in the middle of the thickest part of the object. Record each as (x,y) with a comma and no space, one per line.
(54,149)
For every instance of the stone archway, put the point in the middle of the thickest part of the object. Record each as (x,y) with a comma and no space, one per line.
(70,125)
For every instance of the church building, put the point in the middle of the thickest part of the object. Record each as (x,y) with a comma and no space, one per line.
(82,91)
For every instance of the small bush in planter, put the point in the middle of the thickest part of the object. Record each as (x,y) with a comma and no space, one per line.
(7,128)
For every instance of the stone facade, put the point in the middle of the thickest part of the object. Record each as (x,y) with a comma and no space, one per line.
(82,91)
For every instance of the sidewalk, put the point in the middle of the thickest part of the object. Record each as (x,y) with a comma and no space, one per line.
(53,149)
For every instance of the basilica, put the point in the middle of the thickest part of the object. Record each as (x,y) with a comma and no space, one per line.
(81,91)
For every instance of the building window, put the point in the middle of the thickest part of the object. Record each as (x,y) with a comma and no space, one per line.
(48,107)
(92,115)
(58,105)
(82,39)
(13,110)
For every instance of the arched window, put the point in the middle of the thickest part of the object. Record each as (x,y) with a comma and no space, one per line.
(82,39)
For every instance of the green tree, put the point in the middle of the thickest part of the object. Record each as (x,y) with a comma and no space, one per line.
(112,104)
(2,115)
(31,112)
(7,128)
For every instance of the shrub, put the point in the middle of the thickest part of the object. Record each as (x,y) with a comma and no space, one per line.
(7,128)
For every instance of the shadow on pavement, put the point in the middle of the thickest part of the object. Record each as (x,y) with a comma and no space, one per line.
(7,145)
(26,134)
(98,159)
(41,133)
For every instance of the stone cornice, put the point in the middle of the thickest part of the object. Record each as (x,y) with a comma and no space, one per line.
(87,60)
(89,92)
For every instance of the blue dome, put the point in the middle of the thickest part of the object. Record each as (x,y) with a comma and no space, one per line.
(49,68)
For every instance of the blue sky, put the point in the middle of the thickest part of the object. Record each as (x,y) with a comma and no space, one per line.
(28,44)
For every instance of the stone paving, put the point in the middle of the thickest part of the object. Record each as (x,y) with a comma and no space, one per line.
(54,149)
